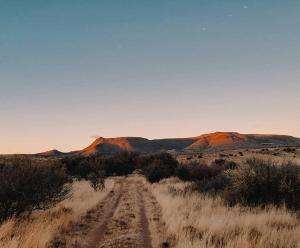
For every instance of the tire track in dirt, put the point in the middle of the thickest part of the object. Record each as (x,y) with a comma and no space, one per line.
(97,235)
(125,228)
(129,217)
(75,235)
(144,220)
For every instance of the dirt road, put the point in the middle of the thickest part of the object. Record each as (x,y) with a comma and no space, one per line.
(128,217)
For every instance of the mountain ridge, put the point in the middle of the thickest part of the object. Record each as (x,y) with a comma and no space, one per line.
(203,143)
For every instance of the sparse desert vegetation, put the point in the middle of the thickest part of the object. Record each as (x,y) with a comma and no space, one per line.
(197,220)
(26,185)
(207,200)
(40,227)
(149,124)
(255,182)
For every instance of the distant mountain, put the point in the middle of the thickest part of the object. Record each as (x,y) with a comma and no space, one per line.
(233,140)
(51,153)
(203,143)
(136,144)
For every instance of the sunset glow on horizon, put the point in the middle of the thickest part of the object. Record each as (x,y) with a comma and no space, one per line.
(73,70)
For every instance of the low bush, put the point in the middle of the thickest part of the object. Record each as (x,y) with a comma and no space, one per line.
(225,164)
(159,166)
(261,182)
(220,161)
(289,150)
(256,183)
(113,165)
(91,169)
(25,186)
(195,171)
(77,166)
(208,178)
(120,164)
(214,185)
(154,166)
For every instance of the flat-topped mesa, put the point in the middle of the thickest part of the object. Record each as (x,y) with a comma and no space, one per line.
(218,139)
(234,140)
(135,144)
(113,145)
(203,143)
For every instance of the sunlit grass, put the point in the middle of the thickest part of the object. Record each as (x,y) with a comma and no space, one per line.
(195,220)
(39,228)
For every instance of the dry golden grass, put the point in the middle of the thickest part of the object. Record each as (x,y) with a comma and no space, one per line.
(195,220)
(191,219)
(38,228)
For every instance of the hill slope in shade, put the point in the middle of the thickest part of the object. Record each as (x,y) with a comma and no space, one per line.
(51,153)
(203,143)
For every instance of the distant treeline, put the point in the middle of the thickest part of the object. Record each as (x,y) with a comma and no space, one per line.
(27,184)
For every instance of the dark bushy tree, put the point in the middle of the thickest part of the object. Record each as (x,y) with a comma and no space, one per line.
(159,166)
(25,186)
(262,182)
(208,178)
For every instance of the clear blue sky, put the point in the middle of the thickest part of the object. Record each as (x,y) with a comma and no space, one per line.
(161,68)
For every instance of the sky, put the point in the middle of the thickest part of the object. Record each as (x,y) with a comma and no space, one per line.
(74,70)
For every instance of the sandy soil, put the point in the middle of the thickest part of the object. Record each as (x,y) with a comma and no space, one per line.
(128,217)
